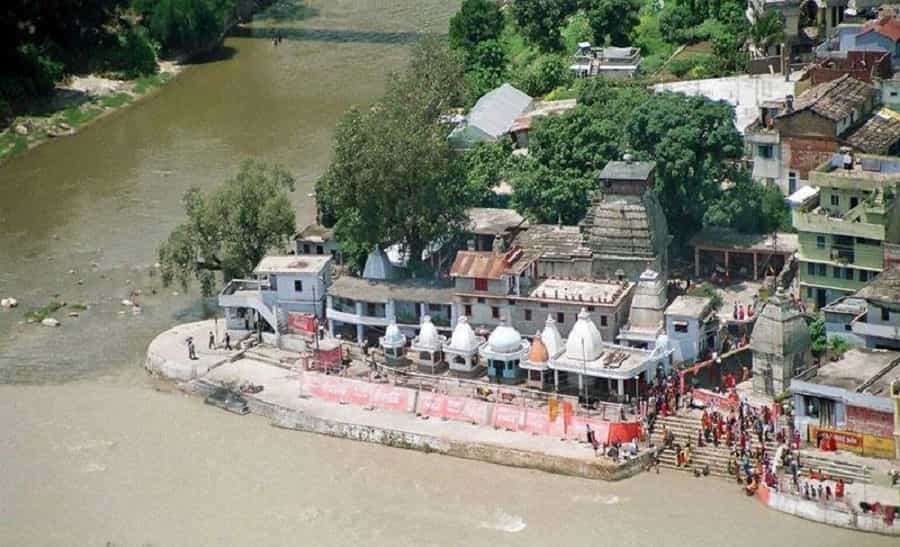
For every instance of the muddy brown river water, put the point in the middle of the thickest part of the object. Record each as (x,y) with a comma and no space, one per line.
(94,452)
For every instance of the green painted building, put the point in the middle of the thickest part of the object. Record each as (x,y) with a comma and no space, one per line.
(844,228)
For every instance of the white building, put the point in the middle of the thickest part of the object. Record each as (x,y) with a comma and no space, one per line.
(693,326)
(279,285)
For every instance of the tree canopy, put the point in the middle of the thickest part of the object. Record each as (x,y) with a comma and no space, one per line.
(231,229)
(394,177)
(692,139)
(540,20)
(612,21)
(476,21)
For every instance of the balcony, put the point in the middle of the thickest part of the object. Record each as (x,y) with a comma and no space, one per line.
(823,221)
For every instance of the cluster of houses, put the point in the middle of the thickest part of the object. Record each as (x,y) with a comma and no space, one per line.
(589,308)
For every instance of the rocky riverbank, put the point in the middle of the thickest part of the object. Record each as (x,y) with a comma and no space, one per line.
(75,104)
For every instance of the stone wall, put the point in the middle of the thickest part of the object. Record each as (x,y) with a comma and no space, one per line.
(826,514)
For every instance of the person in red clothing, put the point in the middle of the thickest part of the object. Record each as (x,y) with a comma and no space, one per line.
(839,489)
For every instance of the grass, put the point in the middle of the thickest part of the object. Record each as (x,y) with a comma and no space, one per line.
(654,48)
(12,143)
(115,101)
(76,116)
(151,81)
(37,315)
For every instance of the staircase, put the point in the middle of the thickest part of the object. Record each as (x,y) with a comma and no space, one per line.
(685,427)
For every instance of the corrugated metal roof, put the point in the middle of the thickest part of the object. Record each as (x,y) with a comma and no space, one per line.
(495,112)
(478,264)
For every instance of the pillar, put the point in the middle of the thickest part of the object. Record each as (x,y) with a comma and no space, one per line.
(331,328)
(621,387)
(755,275)
(423,311)
(696,261)
(726,263)
(555,379)
(359,333)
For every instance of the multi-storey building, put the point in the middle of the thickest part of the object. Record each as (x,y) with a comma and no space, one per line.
(844,227)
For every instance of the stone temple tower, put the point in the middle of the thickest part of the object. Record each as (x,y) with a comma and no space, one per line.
(780,344)
(625,227)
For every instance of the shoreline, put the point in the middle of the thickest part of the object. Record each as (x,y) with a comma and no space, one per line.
(99,97)
(288,401)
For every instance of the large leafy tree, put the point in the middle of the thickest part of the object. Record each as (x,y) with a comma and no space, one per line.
(694,143)
(541,20)
(612,20)
(394,177)
(476,21)
(748,206)
(185,25)
(231,229)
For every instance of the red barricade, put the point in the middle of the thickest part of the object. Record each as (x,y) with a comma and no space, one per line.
(623,432)
(537,422)
(432,404)
(391,398)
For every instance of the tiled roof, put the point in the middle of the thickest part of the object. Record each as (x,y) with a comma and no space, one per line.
(878,134)
(889,27)
(884,288)
(835,99)
(550,241)
(627,170)
(479,264)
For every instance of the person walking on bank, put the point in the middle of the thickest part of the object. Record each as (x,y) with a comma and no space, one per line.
(212,340)
(227,341)
(192,355)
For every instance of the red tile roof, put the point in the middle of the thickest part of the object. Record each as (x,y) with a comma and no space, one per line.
(886,26)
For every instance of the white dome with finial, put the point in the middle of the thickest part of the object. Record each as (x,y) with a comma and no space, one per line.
(463,338)
(585,342)
(428,335)
(505,339)
(551,338)
(393,338)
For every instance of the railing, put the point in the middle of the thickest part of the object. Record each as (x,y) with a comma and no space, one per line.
(236,285)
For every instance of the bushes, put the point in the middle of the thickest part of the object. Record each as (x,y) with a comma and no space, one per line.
(185,25)
(544,75)
(131,53)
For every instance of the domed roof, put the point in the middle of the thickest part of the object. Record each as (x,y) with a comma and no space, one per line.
(428,335)
(505,339)
(463,338)
(553,341)
(585,342)
(393,338)
(538,352)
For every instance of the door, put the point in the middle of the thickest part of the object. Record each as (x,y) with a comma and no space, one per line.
(820,298)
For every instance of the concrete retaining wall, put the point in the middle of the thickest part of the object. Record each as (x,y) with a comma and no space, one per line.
(827,514)
(299,421)
(468,450)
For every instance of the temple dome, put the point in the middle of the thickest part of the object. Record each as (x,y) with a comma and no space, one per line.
(552,340)
(428,335)
(463,338)
(505,339)
(393,338)
(585,342)
(538,352)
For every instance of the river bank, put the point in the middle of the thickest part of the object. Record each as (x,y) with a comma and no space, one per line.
(75,104)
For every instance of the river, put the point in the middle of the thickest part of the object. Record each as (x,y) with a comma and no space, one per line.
(94,452)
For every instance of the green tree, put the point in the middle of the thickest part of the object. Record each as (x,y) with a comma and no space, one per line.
(612,21)
(543,75)
(231,229)
(818,338)
(676,19)
(185,25)
(487,69)
(767,29)
(476,21)
(749,207)
(394,177)
(540,21)
(694,142)
(487,164)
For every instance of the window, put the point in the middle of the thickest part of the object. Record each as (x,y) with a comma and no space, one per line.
(764,151)
(306,248)
(848,274)
(590,308)
(810,268)
(893,93)
(495,312)
(680,326)
(836,272)
(603,321)
(863,275)
(835,200)
(527,315)
(543,304)
(511,302)
(854,201)
(821,270)
(560,317)
(434,307)
(481,300)
(298,285)
(820,242)
(370,309)
(853,116)
(885,314)
(467,310)
(481,284)
(792,181)
(320,250)
(809,292)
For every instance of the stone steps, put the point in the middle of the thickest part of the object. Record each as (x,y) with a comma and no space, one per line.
(686,427)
